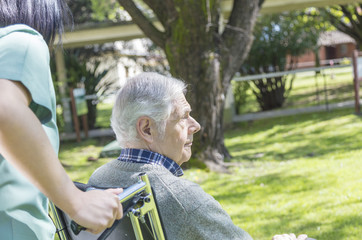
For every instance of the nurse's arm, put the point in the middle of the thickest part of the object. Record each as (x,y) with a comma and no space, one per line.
(24,144)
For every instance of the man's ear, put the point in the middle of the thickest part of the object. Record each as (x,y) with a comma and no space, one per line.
(144,125)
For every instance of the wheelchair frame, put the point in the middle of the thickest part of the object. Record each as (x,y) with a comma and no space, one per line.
(141,204)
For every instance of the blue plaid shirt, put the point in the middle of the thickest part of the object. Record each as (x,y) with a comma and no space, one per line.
(148,157)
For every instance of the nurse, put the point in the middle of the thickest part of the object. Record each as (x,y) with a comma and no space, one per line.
(30,171)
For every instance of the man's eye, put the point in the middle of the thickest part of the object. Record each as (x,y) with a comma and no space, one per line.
(186,116)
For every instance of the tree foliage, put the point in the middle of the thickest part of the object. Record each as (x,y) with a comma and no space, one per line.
(279,40)
(347,19)
(88,11)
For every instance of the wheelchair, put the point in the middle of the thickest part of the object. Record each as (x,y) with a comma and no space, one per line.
(138,204)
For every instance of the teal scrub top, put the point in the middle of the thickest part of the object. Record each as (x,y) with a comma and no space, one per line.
(24,57)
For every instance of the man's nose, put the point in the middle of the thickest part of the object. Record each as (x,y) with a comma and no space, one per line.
(194,126)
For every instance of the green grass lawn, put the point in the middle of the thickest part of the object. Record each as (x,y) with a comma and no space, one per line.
(298,174)
(74,157)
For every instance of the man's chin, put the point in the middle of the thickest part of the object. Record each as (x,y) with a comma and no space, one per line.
(186,158)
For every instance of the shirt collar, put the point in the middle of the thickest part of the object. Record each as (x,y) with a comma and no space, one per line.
(148,157)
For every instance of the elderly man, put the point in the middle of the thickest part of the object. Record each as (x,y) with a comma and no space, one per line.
(152,122)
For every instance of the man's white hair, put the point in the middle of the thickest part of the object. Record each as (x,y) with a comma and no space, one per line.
(148,94)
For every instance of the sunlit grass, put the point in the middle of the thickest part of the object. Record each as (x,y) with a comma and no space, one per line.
(299,174)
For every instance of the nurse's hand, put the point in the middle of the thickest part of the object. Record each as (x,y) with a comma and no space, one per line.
(97,210)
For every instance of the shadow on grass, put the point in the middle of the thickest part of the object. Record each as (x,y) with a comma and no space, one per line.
(309,135)
(335,93)
(337,229)
(327,225)
(234,189)
(283,222)
(341,227)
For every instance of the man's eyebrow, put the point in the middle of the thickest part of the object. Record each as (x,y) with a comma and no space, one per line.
(184,110)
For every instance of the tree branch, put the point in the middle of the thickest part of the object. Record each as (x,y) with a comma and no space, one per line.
(144,23)
(359,16)
(341,26)
(349,15)
(242,16)
(164,9)
(237,36)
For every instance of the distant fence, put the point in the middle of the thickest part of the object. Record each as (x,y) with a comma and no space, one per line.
(325,106)
(280,74)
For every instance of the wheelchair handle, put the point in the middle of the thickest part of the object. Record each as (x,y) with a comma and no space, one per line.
(127,194)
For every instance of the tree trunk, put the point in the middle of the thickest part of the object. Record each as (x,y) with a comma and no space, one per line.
(205,54)
(192,55)
(207,98)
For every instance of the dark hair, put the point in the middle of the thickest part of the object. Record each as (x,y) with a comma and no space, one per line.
(46,16)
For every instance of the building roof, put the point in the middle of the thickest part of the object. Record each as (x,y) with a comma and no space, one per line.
(332,38)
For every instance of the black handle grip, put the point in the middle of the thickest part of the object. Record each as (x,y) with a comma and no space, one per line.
(76,228)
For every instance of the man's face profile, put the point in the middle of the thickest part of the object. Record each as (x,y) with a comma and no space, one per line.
(180,127)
